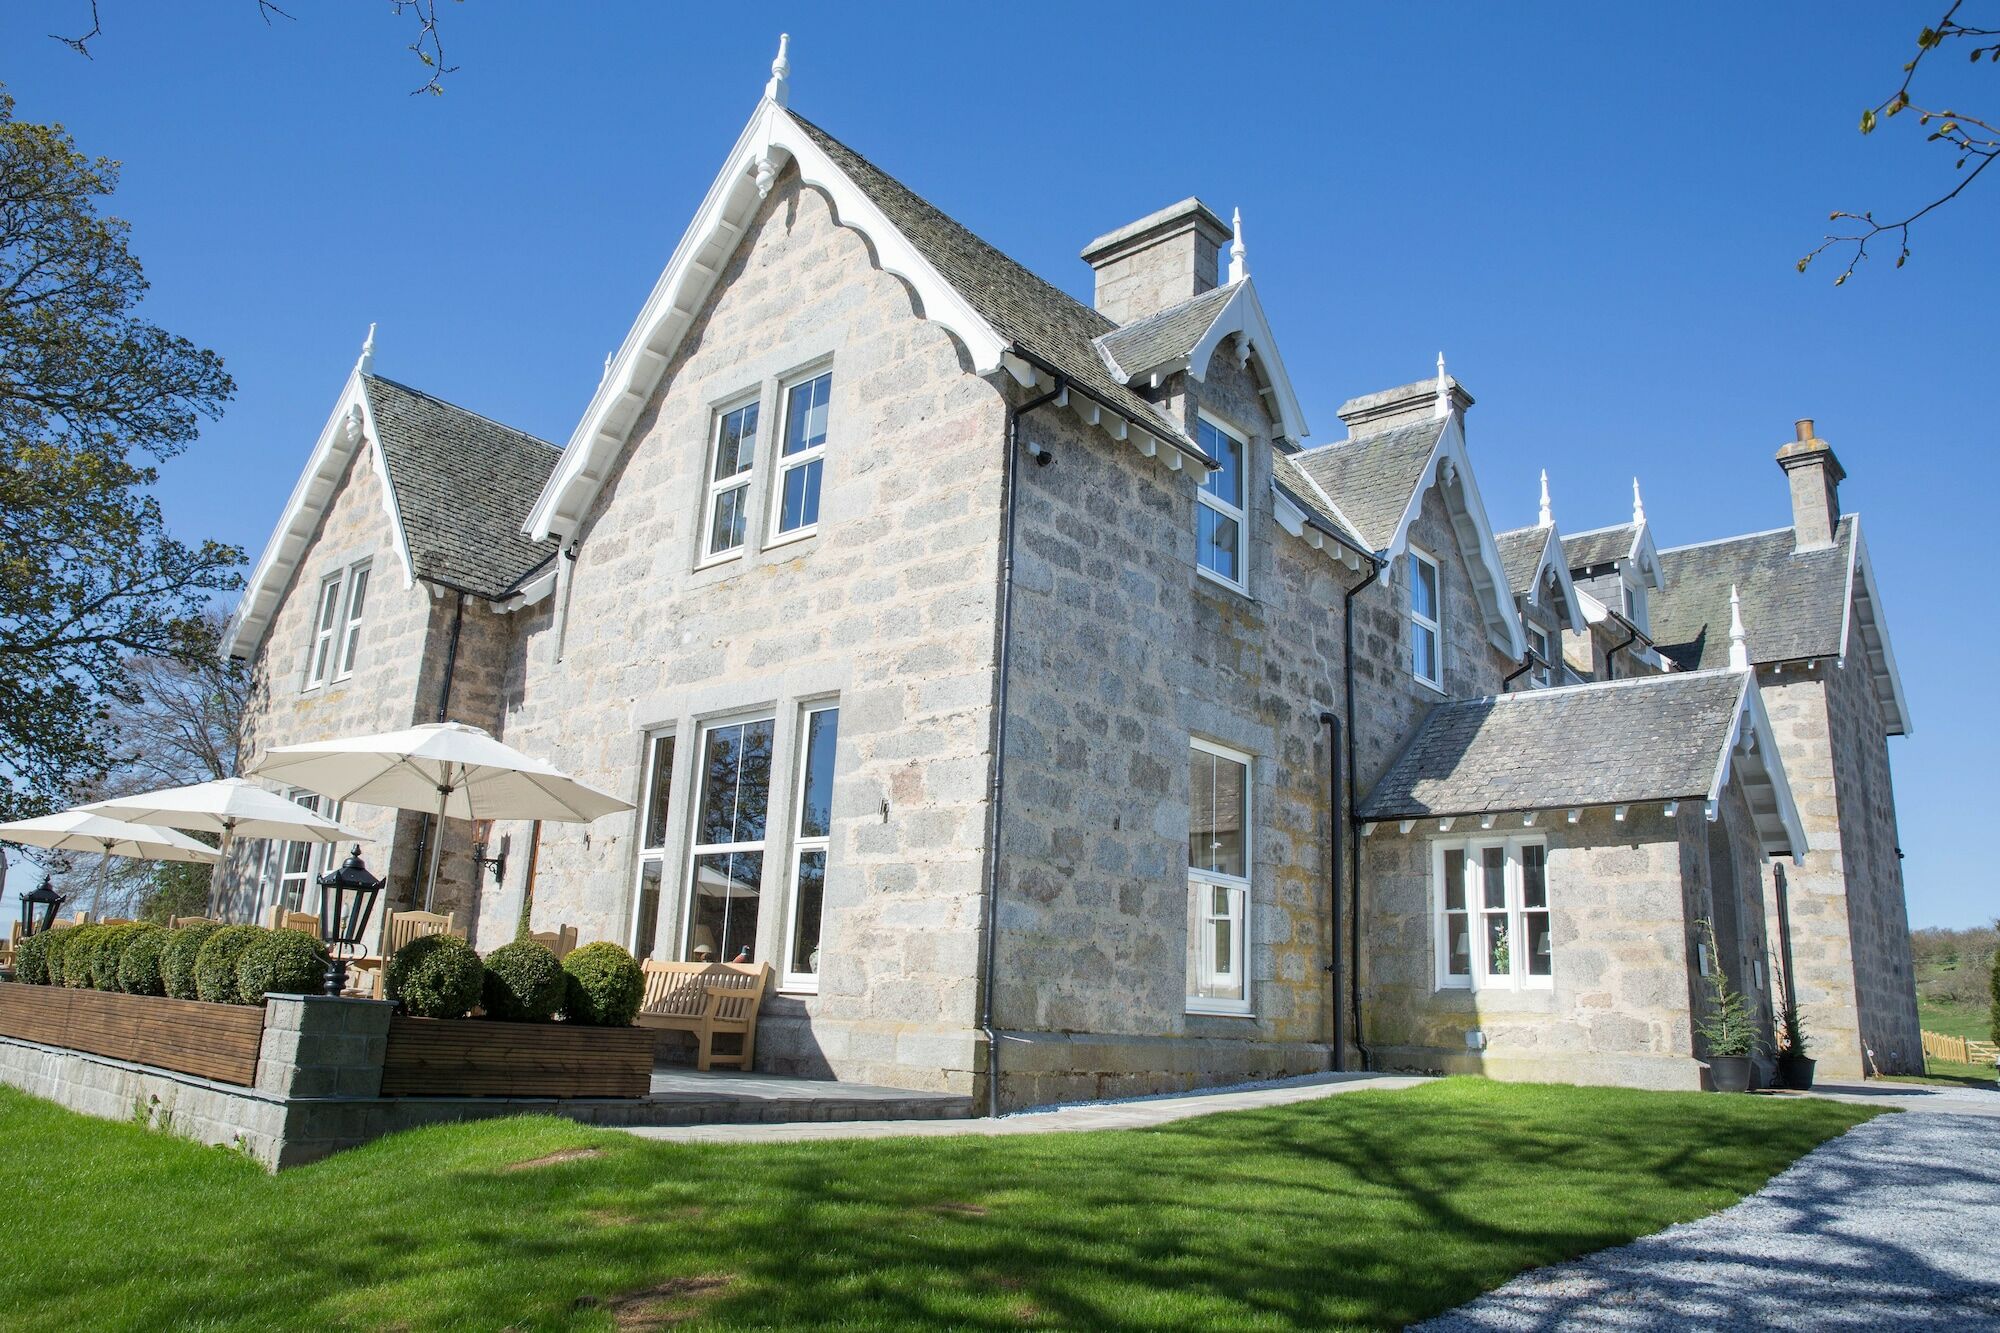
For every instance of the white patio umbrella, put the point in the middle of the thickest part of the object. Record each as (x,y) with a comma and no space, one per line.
(232,807)
(83,831)
(447,768)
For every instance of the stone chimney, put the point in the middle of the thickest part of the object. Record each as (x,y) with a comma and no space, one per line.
(1162,259)
(1373,413)
(1815,475)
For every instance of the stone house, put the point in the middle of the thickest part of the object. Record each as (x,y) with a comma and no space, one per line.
(1011,675)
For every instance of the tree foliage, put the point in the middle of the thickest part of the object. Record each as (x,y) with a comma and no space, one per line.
(1971,140)
(92,398)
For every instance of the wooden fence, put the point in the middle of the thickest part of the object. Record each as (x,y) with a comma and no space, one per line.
(218,1041)
(1937,1046)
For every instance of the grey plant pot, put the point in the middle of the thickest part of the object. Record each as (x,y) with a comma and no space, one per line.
(1729,1073)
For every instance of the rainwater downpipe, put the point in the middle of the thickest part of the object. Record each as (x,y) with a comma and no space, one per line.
(1375,567)
(1611,658)
(1010,486)
(1335,853)
(424,830)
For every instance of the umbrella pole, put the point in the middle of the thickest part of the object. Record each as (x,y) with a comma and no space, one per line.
(221,861)
(437,845)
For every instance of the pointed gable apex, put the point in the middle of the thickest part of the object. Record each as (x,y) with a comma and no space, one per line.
(1186,337)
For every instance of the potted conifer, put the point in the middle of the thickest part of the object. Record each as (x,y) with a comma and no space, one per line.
(1728,1030)
(1795,1067)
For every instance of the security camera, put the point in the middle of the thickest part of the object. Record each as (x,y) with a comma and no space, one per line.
(1040,454)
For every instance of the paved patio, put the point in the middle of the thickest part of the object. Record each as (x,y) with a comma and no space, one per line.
(682,1096)
(1136,1114)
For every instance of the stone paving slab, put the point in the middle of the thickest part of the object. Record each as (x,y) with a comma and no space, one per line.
(1137,1114)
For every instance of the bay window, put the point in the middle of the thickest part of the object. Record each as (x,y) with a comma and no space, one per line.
(802,457)
(1218,880)
(726,510)
(1219,518)
(726,872)
(819,734)
(1491,913)
(1426,620)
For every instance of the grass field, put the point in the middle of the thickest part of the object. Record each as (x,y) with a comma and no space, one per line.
(1369,1210)
(1954,1021)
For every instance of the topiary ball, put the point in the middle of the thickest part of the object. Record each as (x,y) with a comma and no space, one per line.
(215,964)
(110,948)
(281,962)
(435,976)
(79,956)
(31,958)
(139,964)
(177,959)
(605,986)
(524,983)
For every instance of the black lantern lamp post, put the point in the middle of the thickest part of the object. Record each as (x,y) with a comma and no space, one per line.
(38,909)
(346,898)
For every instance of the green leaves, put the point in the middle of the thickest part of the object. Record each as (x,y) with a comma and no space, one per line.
(1868,121)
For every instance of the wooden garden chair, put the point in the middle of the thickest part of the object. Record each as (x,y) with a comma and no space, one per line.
(176,922)
(402,927)
(561,941)
(707,1000)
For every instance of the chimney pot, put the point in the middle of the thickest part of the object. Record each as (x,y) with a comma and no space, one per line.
(1814,476)
(1804,427)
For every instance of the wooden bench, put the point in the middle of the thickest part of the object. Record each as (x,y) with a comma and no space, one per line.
(706,999)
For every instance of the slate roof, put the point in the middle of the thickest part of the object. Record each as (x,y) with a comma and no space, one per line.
(1521,556)
(1652,738)
(464,485)
(1042,320)
(1599,547)
(1299,489)
(1167,335)
(1373,478)
(1794,602)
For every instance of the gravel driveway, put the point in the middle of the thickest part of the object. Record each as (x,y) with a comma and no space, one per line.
(1894,1225)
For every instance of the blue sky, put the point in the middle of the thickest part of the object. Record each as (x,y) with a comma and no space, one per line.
(1593,212)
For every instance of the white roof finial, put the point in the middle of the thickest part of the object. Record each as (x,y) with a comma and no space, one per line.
(779,89)
(1444,391)
(366,362)
(1739,646)
(1239,267)
(1638,505)
(1547,519)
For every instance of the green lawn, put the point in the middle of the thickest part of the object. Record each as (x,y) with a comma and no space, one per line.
(1369,1209)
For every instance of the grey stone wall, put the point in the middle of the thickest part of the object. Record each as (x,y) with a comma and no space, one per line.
(890,609)
(1122,653)
(1389,700)
(382,694)
(1623,898)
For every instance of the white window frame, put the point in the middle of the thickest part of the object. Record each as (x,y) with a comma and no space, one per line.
(1236,512)
(787,464)
(713,490)
(326,624)
(1203,882)
(350,622)
(654,856)
(696,850)
(319,855)
(1514,909)
(1543,674)
(802,846)
(1420,623)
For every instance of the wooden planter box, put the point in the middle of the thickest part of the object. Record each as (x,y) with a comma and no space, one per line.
(218,1041)
(474,1057)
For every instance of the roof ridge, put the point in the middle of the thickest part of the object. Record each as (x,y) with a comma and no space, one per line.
(1608,527)
(457,407)
(1739,537)
(1664,677)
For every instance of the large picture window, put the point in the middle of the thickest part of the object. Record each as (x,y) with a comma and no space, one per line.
(1218,880)
(727,509)
(1491,909)
(659,788)
(1219,509)
(726,871)
(1426,620)
(819,735)
(802,458)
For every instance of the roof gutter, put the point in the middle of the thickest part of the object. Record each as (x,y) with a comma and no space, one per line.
(1064,382)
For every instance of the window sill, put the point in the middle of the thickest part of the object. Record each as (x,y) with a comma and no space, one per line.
(1240,589)
(806,987)
(787,538)
(1219,1009)
(711,562)
(1435,687)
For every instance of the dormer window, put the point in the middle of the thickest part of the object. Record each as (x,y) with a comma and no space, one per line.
(1218,512)
(1543,674)
(1426,620)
